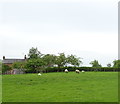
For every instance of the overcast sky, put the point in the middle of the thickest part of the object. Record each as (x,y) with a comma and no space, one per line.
(86,28)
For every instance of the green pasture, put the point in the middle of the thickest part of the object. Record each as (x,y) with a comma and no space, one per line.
(61,87)
(0,88)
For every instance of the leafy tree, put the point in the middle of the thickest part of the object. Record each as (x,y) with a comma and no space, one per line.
(73,60)
(49,60)
(35,65)
(5,68)
(61,60)
(19,65)
(116,63)
(34,53)
(0,67)
(108,65)
(95,63)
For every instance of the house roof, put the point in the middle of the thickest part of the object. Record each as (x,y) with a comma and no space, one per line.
(11,61)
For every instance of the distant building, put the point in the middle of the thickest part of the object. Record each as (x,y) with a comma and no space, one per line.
(10,62)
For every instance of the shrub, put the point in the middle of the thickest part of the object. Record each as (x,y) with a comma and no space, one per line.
(5,68)
(61,69)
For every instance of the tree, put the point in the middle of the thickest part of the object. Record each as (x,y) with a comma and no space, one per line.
(61,60)
(95,63)
(0,67)
(49,60)
(5,68)
(109,65)
(34,53)
(35,65)
(19,65)
(73,60)
(116,63)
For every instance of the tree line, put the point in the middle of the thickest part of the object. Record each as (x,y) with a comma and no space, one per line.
(38,62)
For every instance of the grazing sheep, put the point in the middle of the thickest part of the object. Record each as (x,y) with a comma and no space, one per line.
(83,71)
(66,71)
(77,71)
(39,74)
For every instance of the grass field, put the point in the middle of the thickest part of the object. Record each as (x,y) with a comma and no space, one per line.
(0,88)
(61,87)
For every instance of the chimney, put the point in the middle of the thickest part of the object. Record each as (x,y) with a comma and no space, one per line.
(3,57)
(25,57)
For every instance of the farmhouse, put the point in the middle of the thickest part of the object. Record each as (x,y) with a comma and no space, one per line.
(10,62)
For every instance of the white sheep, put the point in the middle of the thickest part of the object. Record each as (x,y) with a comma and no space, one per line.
(83,71)
(77,71)
(39,74)
(66,71)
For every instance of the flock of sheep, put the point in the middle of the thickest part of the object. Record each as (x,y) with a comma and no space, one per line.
(77,71)
(66,71)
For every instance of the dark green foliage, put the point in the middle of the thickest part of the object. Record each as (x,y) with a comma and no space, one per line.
(49,60)
(109,65)
(73,60)
(116,63)
(5,68)
(61,69)
(38,62)
(0,67)
(95,63)
(35,65)
(19,65)
(61,60)
(34,53)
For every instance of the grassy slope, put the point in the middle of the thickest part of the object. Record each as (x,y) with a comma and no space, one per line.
(61,87)
(0,88)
